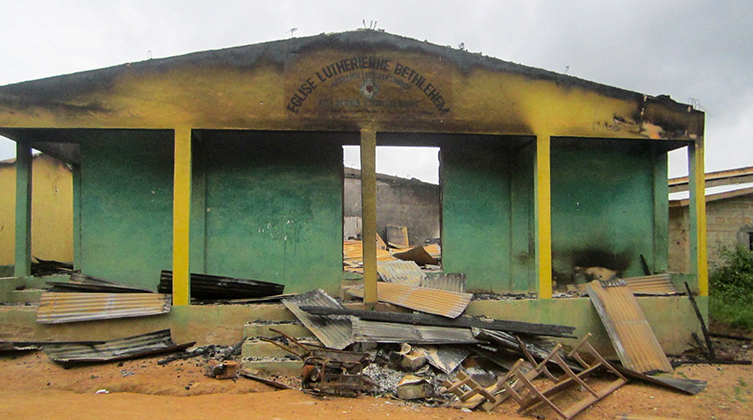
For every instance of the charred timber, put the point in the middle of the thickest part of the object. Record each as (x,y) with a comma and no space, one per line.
(208,287)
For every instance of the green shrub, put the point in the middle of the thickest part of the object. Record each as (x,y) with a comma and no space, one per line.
(731,297)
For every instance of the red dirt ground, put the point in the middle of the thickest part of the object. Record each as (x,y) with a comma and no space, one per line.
(33,387)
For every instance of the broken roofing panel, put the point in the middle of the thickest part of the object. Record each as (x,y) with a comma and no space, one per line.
(632,336)
(334,331)
(157,342)
(445,358)
(439,321)
(452,282)
(658,284)
(432,301)
(654,285)
(353,255)
(417,254)
(83,283)
(401,272)
(58,308)
(386,332)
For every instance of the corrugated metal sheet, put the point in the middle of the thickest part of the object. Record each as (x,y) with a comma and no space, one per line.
(334,331)
(434,250)
(401,272)
(439,321)
(432,301)
(209,287)
(386,332)
(353,256)
(11,346)
(80,283)
(157,342)
(445,358)
(58,308)
(655,285)
(659,284)
(417,254)
(632,336)
(452,282)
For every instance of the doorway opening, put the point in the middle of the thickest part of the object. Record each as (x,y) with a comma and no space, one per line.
(408,205)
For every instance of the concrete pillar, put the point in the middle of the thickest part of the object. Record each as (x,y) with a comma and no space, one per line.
(77,249)
(697,210)
(181,217)
(661,213)
(368,215)
(543,206)
(23,211)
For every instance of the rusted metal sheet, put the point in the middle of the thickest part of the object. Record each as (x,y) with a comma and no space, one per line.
(12,346)
(334,331)
(417,254)
(452,282)
(158,342)
(434,250)
(432,301)
(658,284)
(654,285)
(58,308)
(632,336)
(401,272)
(353,255)
(689,386)
(386,332)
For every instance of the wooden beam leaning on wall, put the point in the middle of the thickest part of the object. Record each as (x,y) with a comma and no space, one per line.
(697,210)
(368,215)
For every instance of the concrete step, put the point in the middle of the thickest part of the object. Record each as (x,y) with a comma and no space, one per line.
(25,295)
(261,329)
(41,282)
(273,367)
(7,285)
(272,312)
(254,348)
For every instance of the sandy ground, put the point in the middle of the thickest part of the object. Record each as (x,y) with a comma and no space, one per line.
(33,387)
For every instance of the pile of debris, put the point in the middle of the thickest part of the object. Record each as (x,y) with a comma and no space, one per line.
(420,346)
(396,248)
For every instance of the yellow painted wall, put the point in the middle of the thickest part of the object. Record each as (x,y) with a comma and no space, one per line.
(52,210)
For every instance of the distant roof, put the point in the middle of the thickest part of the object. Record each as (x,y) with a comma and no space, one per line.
(719,192)
(356,174)
(12,161)
(725,174)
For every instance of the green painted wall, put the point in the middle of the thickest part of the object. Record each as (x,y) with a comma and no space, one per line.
(487,212)
(126,205)
(602,205)
(475,176)
(273,207)
(523,257)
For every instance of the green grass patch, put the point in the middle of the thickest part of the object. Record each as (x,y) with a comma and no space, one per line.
(732,289)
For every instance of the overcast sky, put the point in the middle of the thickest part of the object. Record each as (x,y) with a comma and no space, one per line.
(688,49)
